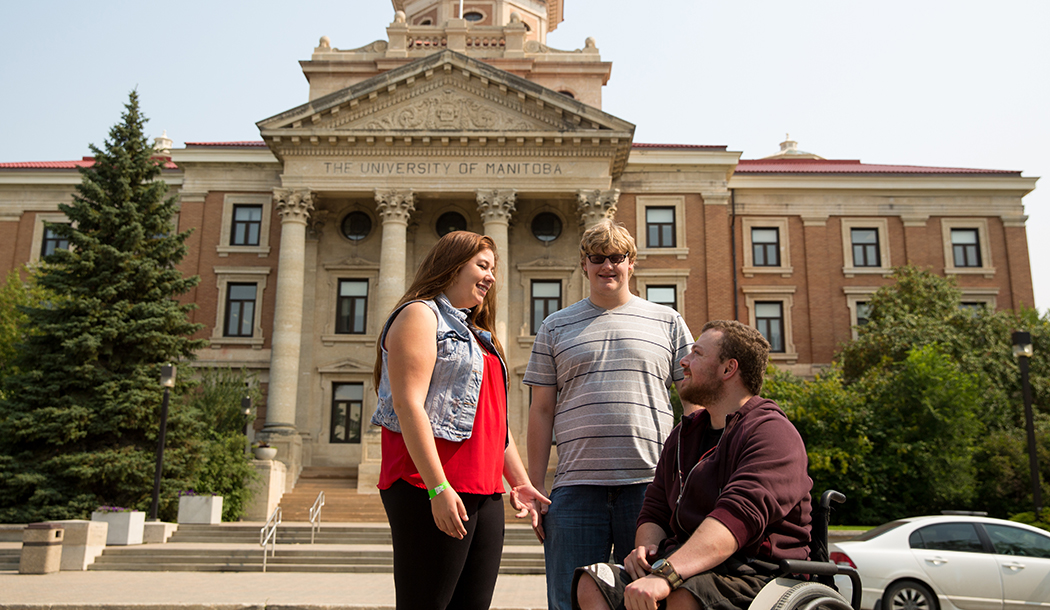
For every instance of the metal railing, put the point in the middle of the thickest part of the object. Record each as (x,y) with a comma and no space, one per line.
(268,534)
(315,515)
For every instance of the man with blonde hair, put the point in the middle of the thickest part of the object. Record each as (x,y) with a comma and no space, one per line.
(600,372)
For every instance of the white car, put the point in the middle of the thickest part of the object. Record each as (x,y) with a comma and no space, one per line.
(949,562)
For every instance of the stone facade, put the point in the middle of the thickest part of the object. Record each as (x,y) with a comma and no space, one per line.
(306,239)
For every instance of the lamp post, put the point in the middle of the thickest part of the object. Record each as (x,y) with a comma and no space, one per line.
(246,408)
(167,379)
(1023,352)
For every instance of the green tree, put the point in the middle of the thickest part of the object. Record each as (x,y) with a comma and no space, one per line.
(79,423)
(224,467)
(15,296)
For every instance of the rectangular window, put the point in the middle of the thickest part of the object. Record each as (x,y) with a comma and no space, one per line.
(347,401)
(863,312)
(352,307)
(769,319)
(765,244)
(865,247)
(247,222)
(965,248)
(659,227)
(52,242)
(664,295)
(546,299)
(240,310)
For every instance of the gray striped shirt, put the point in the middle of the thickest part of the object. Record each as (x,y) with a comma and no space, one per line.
(612,369)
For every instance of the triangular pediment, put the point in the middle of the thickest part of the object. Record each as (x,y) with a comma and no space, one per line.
(440,99)
(346,366)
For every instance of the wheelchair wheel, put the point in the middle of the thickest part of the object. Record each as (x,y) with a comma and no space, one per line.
(811,596)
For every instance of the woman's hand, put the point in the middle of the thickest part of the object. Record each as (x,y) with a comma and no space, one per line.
(449,513)
(528,500)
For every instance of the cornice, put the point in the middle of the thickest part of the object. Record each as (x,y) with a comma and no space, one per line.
(223,155)
(718,160)
(1014,186)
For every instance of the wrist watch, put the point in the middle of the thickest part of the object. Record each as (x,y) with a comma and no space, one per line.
(664,569)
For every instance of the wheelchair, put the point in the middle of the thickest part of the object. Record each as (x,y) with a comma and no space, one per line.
(788,592)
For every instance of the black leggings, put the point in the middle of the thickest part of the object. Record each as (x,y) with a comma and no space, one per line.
(433,569)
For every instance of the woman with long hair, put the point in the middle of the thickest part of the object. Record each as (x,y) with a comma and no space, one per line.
(442,386)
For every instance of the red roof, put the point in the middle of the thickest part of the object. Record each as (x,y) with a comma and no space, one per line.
(825,166)
(85,162)
(241,144)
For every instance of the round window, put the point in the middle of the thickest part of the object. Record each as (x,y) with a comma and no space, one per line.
(546,227)
(356,226)
(473,16)
(449,222)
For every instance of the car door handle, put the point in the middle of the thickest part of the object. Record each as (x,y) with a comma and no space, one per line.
(1014,566)
(937,561)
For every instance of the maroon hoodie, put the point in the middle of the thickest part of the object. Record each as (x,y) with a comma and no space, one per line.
(754,482)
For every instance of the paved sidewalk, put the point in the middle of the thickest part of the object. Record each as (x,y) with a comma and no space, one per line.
(230,591)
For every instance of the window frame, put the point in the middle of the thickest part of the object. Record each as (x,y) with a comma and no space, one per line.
(61,243)
(349,414)
(679,278)
(234,224)
(228,307)
(786,296)
(681,248)
(661,228)
(881,226)
(224,276)
(987,269)
(674,289)
(353,307)
(527,272)
(534,326)
(229,202)
(348,269)
(781,224)
(854,296)
(36,246)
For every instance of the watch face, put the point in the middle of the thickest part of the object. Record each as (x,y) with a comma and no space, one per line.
(659,565)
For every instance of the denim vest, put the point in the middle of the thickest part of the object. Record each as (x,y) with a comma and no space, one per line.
(452,399)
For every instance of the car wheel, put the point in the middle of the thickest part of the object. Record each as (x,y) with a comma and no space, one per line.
(909,595)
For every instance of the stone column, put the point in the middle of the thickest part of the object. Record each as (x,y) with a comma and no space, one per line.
(596,206)
(294,208)
(496,207)
(394,209)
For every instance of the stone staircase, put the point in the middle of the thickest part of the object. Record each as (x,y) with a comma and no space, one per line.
(9,559)
(234,547)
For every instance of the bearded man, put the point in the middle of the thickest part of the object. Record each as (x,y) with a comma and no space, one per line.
(731,494)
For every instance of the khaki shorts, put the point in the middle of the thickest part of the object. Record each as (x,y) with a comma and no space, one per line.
(713,590)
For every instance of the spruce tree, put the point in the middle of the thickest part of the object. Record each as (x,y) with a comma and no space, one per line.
(80,417)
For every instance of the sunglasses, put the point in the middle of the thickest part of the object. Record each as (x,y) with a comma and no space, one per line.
(598,259)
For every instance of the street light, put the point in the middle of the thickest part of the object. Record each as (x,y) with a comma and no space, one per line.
(1023,352)
(167,379)
(246,408)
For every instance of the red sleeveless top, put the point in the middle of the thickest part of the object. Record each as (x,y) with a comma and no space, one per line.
(473,466)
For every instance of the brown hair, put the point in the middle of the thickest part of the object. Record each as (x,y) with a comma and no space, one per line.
(607,237)
(745,345)
(437,272)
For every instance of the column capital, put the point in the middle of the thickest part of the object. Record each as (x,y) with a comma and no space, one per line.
(496,205)
(395,205)
(293,205)
(596,206)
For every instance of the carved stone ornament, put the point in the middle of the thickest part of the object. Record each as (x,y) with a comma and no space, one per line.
(595,206)
(293,205)
(315,225)
(450,110)
(496,205)
(395,205)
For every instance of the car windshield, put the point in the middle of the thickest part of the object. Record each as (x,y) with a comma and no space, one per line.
(880,530)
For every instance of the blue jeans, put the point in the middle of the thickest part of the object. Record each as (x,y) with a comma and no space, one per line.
(583,524)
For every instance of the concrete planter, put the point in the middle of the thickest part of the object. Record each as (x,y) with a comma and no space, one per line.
(265,453)
(124,528)
(200,509)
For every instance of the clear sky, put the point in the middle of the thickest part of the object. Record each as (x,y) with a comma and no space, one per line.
(952,83)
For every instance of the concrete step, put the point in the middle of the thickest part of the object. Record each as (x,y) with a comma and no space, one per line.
(234,533)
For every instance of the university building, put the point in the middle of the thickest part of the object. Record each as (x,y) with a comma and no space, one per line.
(305,239)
